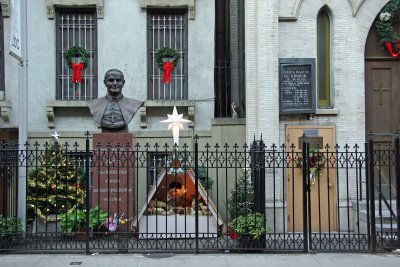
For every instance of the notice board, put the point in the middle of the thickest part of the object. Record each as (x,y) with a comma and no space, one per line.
(297,88)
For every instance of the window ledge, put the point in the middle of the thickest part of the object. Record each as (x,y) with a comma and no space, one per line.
(189,4)
(99,4)
(5,107)
(149,104)
(5,8)
(52,105)
(228,121)
(327,111)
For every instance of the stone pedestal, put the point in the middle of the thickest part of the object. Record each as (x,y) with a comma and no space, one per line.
(113,174)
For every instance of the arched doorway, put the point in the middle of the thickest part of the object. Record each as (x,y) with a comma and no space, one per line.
(382,116)
(382,86)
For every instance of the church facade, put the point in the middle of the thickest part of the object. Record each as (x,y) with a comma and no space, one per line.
(257,37)
(239,70)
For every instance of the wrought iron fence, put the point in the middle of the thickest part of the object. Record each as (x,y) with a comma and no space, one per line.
(147,198)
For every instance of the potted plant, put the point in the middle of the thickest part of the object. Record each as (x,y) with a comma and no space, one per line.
(75,221)
(247,225)
(252,225)
(10,227)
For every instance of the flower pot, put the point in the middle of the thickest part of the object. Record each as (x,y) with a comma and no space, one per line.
(81,234)
(248,242)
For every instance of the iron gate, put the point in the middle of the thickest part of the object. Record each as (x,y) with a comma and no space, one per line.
(150,198)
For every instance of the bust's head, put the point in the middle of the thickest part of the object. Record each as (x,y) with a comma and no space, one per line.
(114,81)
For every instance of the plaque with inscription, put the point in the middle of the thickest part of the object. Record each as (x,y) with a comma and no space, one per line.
(297,86)
(113,174)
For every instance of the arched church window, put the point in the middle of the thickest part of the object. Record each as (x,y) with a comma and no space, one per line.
(323,60)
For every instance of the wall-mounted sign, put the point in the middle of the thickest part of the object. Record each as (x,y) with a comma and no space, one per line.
(297,86)
(15,38)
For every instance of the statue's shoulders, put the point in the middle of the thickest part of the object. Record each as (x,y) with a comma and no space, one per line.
(96,102)
(132,101)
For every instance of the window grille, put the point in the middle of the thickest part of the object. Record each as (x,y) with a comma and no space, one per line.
(76,28)
(167,30)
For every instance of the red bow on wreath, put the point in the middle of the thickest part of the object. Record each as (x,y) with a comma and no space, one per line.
(76,75)
(390,48)
(167,68)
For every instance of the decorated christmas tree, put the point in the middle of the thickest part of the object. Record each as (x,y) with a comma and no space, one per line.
(56,185)
(241,198)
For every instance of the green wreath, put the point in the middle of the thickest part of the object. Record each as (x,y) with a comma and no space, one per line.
(73,52)
(166,52)
(384,23)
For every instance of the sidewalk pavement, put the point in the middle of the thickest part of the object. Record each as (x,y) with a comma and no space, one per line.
(202,260)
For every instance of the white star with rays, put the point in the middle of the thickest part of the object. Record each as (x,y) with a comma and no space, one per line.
(175,122)
(55,136)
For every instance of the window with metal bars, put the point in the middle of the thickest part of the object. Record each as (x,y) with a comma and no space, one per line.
(167,28)
(76,27)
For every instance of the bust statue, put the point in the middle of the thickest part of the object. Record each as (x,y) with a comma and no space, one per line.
(114,111)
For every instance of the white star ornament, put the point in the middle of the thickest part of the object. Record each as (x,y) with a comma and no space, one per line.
(175,122)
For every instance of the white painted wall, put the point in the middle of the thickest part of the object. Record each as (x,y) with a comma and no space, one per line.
(297,39)
(122,44)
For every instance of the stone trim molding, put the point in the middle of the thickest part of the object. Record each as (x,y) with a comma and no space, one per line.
(52,105)
(5,8)
(355,5)
(189,4)
(75,3)
(295,12)
(5,107)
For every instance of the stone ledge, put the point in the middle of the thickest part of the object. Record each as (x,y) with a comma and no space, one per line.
(228,121)
(99,4)
(149,104)
(327,111)
(189,4)
(52,105)
(5,107)
(287,18)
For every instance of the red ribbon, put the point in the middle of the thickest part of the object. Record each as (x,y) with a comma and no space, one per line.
(76,75)
(390,48)
(167,67)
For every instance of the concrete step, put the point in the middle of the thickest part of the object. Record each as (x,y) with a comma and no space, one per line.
(386,228)
(363,205)
(386,217)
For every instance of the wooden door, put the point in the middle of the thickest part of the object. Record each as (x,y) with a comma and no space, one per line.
(323,197)
(382,96)
(382,85)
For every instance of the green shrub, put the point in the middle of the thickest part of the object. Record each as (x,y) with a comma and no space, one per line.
(75,219)
(252,224)
(204,180)
(10,225)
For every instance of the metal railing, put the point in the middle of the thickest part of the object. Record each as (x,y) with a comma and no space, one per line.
(148,198)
